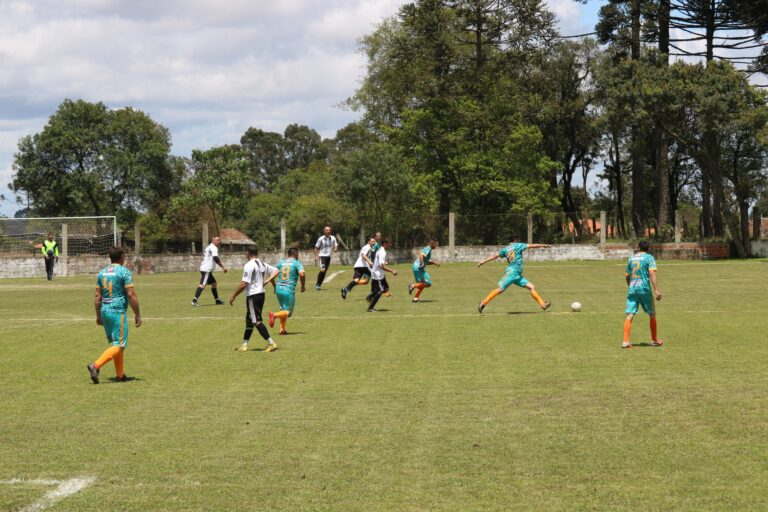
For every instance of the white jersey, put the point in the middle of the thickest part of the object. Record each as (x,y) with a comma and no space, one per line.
(325,245)
(255,272)
(381,259)
(208,264)
(364,251)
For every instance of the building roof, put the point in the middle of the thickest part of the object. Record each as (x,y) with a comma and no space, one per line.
(234,237)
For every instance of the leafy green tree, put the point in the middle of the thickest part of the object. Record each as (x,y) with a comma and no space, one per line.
(266,153)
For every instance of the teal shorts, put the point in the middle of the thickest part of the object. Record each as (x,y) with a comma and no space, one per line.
(286,298)
(638,298)
(421,275)
(116,327)
(511,277)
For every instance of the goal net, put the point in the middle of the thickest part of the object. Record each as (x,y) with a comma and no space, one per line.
(78,235)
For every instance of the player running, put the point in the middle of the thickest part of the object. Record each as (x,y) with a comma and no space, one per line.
(210,260)
(289,270)
(362,267)
(514,273)
(379,285)
(326,245)
(256,275)
(421,277)
(114,291)
(640,275)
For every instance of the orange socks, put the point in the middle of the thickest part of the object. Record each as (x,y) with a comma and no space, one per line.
(419,287)
(283,316)
(653,329)
(119,372)
(108,355)
(537,297)
(627,330)
(492,295)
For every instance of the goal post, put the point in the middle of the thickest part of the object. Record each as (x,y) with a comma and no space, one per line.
(74,235)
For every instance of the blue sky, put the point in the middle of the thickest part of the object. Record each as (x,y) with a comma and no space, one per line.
(207,70)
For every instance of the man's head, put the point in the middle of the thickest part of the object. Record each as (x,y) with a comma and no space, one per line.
(327,231)
(293,252)
(377,236)
(372,241)
(117,255)
(252,251)
(514,237)
(432,243)
(216,241)
(644,245)
(385,243)
(50,236)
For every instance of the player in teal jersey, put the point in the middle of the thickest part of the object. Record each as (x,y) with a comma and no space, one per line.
(289,271)
(421,277)
(513,253)
(114,291)
(640,276)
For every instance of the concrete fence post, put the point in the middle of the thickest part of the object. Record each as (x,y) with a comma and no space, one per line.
(137,240)
(362,235)
(603,225)
(530,228)
(206,240)
(451,231)
(678,226)
(282,236)
(64,249)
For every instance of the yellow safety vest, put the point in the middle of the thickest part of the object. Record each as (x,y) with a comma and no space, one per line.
(50,245)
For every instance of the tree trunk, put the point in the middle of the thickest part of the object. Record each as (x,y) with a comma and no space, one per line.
(710,137)
(616,157)
(744,213)
(662,179)
(706,205)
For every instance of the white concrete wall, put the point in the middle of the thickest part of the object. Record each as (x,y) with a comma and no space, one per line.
(91,264)
(760,248)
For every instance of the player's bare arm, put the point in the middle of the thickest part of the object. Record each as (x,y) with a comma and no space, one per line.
(488,259)
(302,278)
(97,305)
(387,269)
(133,300)
(539,246)
(237,292)
(655,284)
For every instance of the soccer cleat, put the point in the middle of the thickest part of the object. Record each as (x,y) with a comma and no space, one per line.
(368,299)
(415,300)
(242,348)
(271,347)
(282,332)
(657,343)
(410,288)
(387,294)
(480,307)
(344,293)
(372,310)
(94,373)
(546,305)
(317,287)
(271,319)
(124,378)
(626,344)
(194,303)
(220,302)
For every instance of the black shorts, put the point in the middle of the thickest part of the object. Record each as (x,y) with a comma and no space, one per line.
(362,274)
(325,262)
(253,306)
(379,285)
(207,278)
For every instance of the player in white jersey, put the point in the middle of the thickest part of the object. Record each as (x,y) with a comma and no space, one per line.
(379,285)
(325,246)
(209,262)
(256,275)
(362,268)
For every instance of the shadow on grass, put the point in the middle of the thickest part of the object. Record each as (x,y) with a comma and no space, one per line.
(113,380)
(525,312)
(646,344)
(292,333)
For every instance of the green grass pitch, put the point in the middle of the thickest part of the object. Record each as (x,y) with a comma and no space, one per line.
(419,407)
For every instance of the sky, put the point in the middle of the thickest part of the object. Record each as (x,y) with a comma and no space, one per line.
(207,70)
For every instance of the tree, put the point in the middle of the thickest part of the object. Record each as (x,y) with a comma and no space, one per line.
(266,154)
(90,160)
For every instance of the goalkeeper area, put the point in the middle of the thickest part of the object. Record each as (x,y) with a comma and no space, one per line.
(424,406)
(75,235)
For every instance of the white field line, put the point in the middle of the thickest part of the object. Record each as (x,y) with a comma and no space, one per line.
(330,277)
(65,488)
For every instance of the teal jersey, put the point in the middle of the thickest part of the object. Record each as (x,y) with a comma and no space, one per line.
(513,253)
(113,281)
(639,269)
(427,252)
(288,271)
(374,250)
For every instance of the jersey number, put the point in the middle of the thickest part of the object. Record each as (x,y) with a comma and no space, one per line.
(635,269)
(285,273)
(107,285)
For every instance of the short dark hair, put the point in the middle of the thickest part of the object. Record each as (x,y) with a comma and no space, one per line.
(644,245)
(252,250)
(116,253)
(293,251)
(385,241)
(514,237)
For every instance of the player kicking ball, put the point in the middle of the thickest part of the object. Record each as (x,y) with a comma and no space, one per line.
(421,277)
(640,275)
(289,270)
(513,253)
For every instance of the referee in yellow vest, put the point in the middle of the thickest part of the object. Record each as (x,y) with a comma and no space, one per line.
(50,251)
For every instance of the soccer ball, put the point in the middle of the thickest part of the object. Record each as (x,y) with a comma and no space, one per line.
(576,307)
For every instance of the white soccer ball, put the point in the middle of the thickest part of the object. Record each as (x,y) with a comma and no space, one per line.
(576,307)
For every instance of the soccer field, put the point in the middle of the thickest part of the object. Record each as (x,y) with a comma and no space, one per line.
(426,406)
